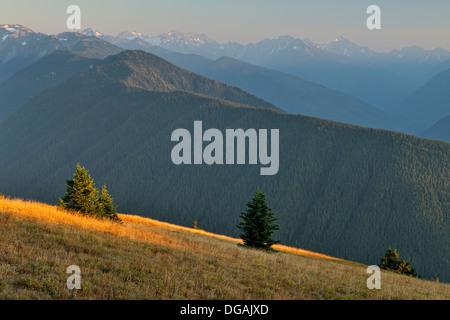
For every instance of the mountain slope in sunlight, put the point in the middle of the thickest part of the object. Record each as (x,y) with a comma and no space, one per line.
(146,259)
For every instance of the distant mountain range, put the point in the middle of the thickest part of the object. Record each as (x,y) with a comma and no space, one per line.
(343,190)
(201,44)
(413,63)
(285,91)
(380,79)
(341,65)
(339,81)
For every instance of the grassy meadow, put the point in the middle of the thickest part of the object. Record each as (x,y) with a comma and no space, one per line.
(147,259)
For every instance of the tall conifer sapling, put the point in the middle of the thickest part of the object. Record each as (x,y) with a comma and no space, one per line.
(81,195)
(107,208)
(257,223)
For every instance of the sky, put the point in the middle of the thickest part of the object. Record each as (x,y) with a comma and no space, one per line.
(403,23)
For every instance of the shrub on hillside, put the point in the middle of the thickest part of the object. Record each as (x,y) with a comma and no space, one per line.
(391,262)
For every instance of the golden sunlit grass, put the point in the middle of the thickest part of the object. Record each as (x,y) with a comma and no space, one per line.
(147,259)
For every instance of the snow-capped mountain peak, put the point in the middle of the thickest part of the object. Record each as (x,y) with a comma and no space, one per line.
(8,28)
(342,46)
(15,28)
(91,32)
(131,35)
(180,38)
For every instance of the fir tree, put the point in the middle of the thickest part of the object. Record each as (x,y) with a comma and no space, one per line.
(257,225)
(107,209)
(81,195)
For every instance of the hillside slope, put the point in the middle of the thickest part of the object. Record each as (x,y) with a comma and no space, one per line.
(342,190)
(138,69)
(147,259)
(47,72)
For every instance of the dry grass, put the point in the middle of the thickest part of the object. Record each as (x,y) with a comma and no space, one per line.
(147,259)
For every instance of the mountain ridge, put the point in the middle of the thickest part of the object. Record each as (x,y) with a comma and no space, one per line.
(20,47)
(340,65)
(194,39)
(286,91)
(293,94)
(440,130)
(434,95)
(139,69)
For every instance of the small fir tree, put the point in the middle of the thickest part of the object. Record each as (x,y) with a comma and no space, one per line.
(81,195)
(257,223)
(107,209)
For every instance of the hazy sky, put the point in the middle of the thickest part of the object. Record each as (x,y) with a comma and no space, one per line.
(404,23)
